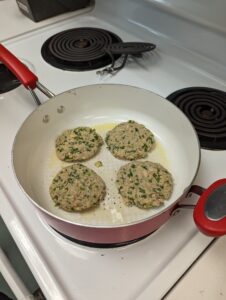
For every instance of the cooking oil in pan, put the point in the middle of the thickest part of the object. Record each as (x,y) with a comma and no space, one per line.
(103,128)
(112,210)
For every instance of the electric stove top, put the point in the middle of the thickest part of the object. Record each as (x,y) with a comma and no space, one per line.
(150,267)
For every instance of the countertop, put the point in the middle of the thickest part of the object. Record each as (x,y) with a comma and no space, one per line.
(14,23)
(206,278)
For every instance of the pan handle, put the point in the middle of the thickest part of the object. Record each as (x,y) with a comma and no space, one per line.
(23,74)
(210,211)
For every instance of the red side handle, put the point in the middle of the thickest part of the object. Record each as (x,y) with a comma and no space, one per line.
(210,211)
(23,74)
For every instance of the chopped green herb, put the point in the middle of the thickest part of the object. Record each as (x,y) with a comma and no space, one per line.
(145,147)
(157,177)
(130,174)
(98,164)
(144,167)
(141,190)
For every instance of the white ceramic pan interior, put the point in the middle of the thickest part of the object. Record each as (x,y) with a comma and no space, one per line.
(102,107)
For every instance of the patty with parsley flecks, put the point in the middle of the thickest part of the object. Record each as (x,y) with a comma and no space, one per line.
(78,144)
(77,188)
(144,184)
(130,140)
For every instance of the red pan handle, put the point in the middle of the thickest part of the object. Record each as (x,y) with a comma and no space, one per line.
(23,74)
(210,211)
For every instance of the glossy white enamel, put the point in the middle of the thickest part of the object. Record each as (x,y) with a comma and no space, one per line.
(148,269)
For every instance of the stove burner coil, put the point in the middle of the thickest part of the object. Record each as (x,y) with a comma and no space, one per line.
(206,109)
(79,49)
(8,81)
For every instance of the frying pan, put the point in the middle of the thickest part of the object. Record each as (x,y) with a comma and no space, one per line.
(102,107)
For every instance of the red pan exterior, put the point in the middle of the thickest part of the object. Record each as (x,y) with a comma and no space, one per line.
(108,235)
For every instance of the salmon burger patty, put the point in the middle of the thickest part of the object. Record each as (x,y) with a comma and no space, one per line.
(77,188)
(78,144)
(144,184)
(130,141)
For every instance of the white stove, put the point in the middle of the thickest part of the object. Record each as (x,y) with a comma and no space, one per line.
(149,268)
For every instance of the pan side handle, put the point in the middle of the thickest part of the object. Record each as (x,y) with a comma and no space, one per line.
(23,74)
(210,211)
(194,189)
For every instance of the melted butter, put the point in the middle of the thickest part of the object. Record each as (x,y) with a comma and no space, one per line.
(159,154)
(54,161)
(103,128)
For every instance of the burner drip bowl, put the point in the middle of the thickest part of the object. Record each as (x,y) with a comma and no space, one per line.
(206,109)
(79,49)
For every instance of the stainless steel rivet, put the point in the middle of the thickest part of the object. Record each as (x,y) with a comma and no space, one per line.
(60,109)
(45,119)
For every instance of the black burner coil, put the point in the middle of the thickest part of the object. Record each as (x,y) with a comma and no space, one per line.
(206,109)
(8,80)
(79,49)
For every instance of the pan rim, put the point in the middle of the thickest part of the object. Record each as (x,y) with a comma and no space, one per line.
(133,223)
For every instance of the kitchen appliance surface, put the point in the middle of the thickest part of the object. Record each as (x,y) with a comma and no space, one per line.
(148,268)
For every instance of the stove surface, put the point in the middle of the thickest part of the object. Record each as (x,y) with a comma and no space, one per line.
(150,267)
(206,109)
